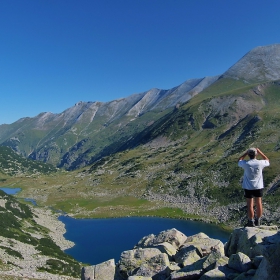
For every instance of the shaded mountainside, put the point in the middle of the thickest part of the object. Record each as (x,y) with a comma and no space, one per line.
(12,163)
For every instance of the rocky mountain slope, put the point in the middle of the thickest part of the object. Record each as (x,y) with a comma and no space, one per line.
(31,243)
(80,134)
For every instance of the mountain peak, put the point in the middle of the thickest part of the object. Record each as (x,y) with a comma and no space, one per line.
(260,64)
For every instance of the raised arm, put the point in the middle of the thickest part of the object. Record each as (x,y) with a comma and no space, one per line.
(262,154)
(243,156)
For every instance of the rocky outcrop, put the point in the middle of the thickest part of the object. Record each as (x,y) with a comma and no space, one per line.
(250,253)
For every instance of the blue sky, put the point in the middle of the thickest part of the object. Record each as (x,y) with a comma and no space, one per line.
(55,53)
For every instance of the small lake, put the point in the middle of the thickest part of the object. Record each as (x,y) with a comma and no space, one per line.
(98,240)
(11,190)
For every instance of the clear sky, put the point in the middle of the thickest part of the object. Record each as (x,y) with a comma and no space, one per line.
(55,53)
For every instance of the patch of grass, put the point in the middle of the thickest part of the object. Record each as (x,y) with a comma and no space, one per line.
(56,266)
(12,252)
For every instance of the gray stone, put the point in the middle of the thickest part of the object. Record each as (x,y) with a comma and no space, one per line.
(211,261)
(248,241)
(166,248)
(87,273)
(172,236)
(157,267)
(222,261)
(102,271)
(192,275)
(204,244)
(187,255)
(214,274)
(240,262)
(131,260)
(196,237)
(269,268)
(145,242)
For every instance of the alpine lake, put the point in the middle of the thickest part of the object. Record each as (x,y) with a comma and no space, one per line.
(98,240)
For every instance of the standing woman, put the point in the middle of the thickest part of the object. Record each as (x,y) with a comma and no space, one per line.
(253,183)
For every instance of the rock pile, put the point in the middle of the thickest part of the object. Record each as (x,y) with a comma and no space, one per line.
(250,253)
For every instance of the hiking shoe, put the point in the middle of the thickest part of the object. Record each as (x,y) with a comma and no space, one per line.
(257,222)
(250,224)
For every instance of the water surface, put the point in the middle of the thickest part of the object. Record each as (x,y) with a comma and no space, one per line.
(11,190)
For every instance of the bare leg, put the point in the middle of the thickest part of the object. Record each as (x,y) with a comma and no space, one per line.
(259,207)
(250,208)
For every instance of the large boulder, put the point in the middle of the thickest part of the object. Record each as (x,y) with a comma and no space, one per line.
(187,255)
(269,268)
(131,260)
(240,262)
(157,267)
(171,236)
(249,240)
(204,244)
(102,271)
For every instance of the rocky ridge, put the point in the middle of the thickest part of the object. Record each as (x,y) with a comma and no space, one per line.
(250,253)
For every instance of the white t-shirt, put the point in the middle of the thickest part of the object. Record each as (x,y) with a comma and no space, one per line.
(253,178)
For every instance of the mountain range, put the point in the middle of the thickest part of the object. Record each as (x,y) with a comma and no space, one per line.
(88,131)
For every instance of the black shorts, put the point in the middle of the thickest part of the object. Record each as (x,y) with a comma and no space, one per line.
(253,193)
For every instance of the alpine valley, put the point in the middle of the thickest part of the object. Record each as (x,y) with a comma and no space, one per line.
(170,153)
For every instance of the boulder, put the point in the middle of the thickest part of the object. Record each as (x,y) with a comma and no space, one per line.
(240,262)
(171,236)
(102,271)
(131,260)
(248,240)
(220,273)
(166,248)
(157,267)
(187,255)
(204,244)
(191,275)
(269,268)
(213,260)
(214,274)
(145,242)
